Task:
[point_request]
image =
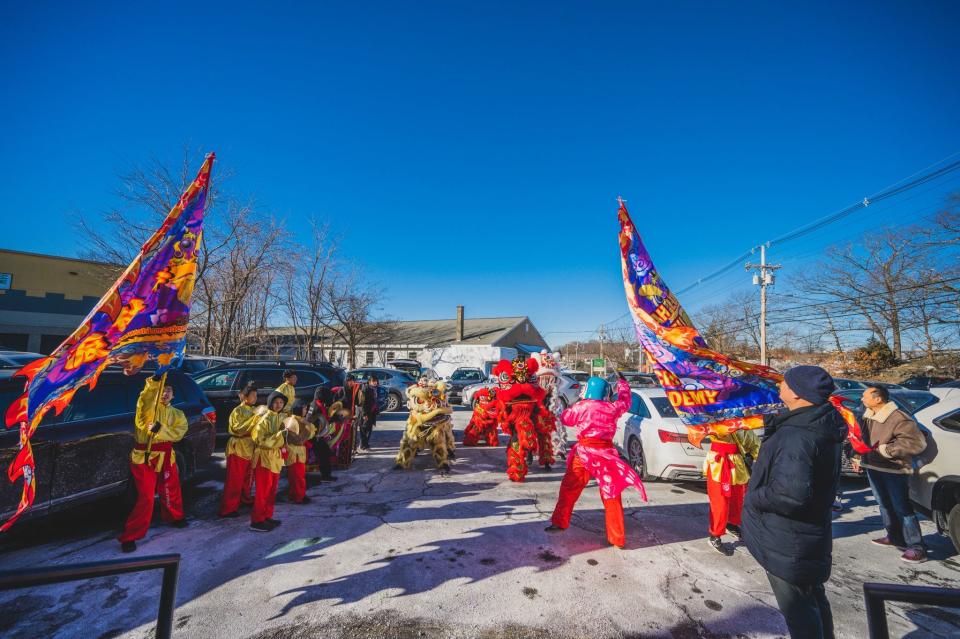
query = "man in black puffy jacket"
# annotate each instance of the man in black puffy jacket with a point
(787, 510)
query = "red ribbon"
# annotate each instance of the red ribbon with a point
(722, 452)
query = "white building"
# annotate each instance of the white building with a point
(443, 345)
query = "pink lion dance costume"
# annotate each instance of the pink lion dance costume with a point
(595, 456)
(522, 415)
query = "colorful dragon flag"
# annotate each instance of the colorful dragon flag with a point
(710, 391)
(142, 317)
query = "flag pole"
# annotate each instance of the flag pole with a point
(156, 409)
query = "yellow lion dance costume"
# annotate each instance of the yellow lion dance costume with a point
(429, 425)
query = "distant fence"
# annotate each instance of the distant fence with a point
(876, 594)
(169, 563)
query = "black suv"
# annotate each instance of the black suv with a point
(84, 452)
(222, 384)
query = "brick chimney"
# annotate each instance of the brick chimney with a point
(459, 323)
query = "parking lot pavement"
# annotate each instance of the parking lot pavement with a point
(383, 553)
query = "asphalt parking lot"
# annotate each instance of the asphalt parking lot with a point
(383, 553)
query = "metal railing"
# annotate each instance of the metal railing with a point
(876, 594)
(169, 563)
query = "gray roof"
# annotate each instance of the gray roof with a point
(476, 331)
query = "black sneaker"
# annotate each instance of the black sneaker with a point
(305, 500)
(451, 454)
(719, 546)
(128, 546)
(273, 523)
(547, 468)
(231, 515)
(328, 478)
(553, 528)
(735, 530)
(180, 523)
(261, 526)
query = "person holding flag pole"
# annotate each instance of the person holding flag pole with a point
(153, 466)
(142, 317)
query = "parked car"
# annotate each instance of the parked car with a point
(654, 441)
(847, 384)
(84, 452)
(924, 382)
(468, 394)
(394, 383)
(569, 388)
(636, 378)
(935, 487)
(193, 364)
(460, 379)
(909, 401)
(12, 361)
(222, 384)
(906, 400)
(409, 366)
(887, 385)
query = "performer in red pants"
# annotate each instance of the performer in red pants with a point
(297, 452)
(269, 436)
(595, 456)
(240, 447)
(727, 478)
(153, 467)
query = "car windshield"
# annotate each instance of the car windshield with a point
(466, 376)
(918, 401)
(663, 406)
(639, 379)
(580, 377)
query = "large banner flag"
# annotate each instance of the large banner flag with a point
(710, 391)
(143, 316)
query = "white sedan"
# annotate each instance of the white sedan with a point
(654, 440)
(935, 487)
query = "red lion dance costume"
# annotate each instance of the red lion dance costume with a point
(483, 424)
(523, 416)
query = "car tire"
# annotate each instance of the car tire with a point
(393, 402)
(953, 526)
(637, 459)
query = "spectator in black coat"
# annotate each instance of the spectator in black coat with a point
(787, 510)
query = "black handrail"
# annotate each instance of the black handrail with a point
(875, 594)
(169, 563)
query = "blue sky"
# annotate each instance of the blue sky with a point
(475, 150)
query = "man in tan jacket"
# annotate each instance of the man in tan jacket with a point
(894, 439)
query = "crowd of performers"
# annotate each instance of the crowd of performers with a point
(287, 432)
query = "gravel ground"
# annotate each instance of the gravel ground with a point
(392, 554)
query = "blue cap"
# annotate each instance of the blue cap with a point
(597, 388)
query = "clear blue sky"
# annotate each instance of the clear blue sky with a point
(488, 140)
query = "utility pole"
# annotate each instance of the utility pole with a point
(763, 279)
(602, 334)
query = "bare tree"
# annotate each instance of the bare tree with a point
(306, 276)
(350, 308)
(240, 249)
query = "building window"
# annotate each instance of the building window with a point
(369, 356)
(332, 358)
(412, 354)
(389, 355)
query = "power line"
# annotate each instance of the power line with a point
(833, 217)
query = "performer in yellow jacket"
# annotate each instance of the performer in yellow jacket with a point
(727, 477)
(153, 468)
(289, 389)
(296, 461)
(240, 448)
(269, 436)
